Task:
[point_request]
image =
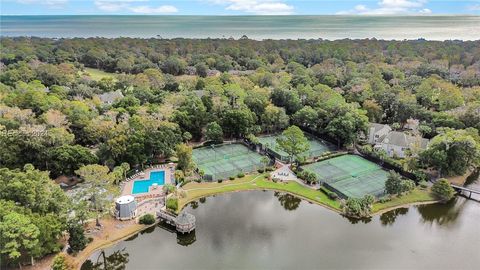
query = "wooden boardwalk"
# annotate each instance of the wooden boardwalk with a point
(465, 189)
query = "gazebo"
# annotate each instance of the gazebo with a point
(185, 222)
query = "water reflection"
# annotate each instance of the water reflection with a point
(289, 202)
(353, 220)
(194, 204)
(116, 261)
(442, 213)
(246, 230)
(186, 239)
(389, 217)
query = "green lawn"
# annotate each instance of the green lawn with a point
(97, 74)
(260, 182)
(418, 195)
(255, 182)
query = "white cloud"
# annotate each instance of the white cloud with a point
(390, 7)
(425, 11)
(154, 10)
(257, 7)
(122, 5)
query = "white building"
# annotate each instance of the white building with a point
(125, 207)
(396, 143)
(377, 132)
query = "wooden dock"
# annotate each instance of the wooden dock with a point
(183, 223)
(465, 189)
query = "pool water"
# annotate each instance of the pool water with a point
(142, 186)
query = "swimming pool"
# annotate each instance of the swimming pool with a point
(142, 186)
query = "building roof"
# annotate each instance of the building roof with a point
(185, 218)
(111, 97)
(405, 140)
(125, 199)
(378, 127)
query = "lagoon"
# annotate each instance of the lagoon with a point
(271, 230)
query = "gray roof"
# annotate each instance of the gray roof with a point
(111, 97)
(378, 127)
(185, 218)
(405, 140)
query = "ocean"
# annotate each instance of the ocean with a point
(254, 27)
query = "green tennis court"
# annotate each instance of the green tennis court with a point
(225, 160)
(350, 176)
(317, 147)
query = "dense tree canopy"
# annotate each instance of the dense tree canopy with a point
(453, 151)
(33, 213)
(97, 107)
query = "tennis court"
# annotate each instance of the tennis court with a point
(350, 176)
(225, 160)
(317, 147)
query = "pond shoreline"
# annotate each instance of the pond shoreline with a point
(216, 190)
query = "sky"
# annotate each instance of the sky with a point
(239, 7)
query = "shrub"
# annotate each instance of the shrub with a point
(260, 170)
(60, 262)
(240, 175)
(420, 176)
(270, 169)
(333, 196)
(395, 184)
(407, 185)
(172, 203)
(308, 176)
(232, 178)
(385, 199)
(359, 208)
(443, 190)
(147, 219)
(168, 188)
(423, 184)
(219, 181)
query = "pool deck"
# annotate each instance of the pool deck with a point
(153, 191)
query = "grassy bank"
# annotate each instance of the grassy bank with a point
(417, 196)
(255, 182)
(260, 182)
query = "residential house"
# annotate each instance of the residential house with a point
(377, 132)
(396, 143)
(110, 97)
